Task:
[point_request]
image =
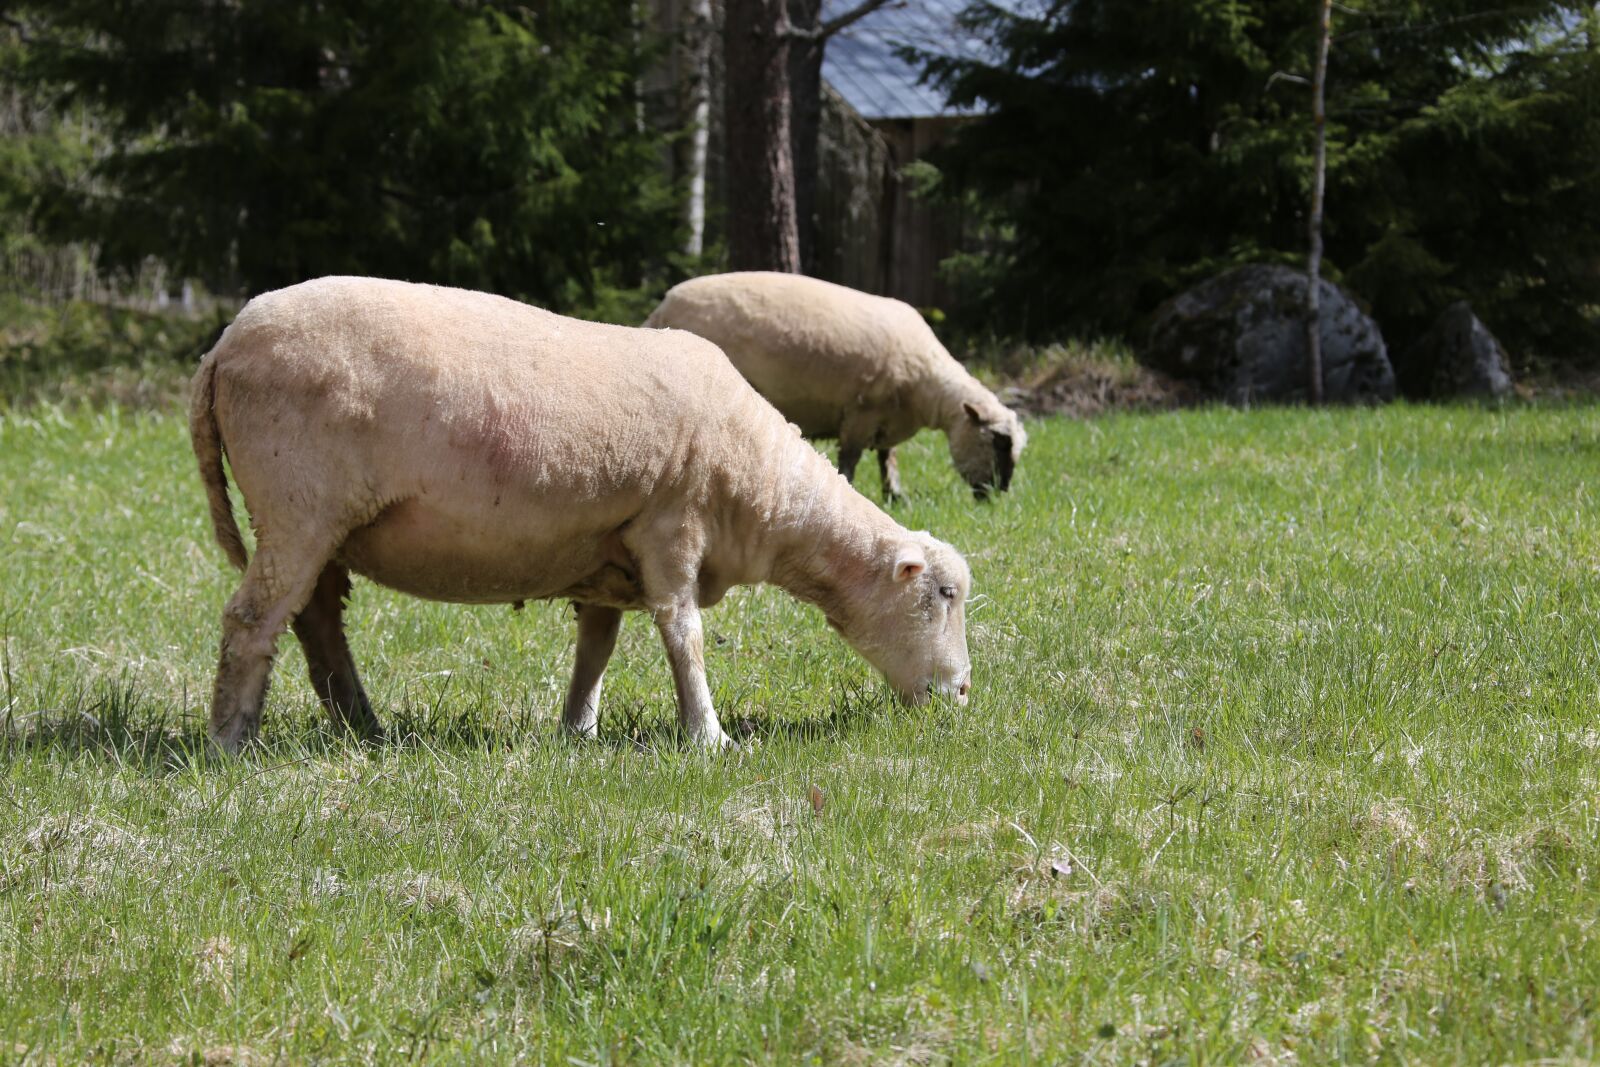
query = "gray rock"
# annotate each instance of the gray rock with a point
(1241, 337)
(1457, 357)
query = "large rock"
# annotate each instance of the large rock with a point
(1457, 357)
(1241, 337)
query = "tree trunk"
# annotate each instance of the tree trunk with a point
(805, 91)
(763, 228)
(1319, 180)
(696, 67)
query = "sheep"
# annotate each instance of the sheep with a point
(463, 447)
(843, 364)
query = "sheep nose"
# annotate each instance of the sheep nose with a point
(961, 693)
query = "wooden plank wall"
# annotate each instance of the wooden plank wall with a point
(872, 233)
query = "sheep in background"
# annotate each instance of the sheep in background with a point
(839, 363)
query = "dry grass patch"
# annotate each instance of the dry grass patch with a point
(425, 892)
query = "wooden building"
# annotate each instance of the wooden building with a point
(873, 233)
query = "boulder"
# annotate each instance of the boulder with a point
(1457, 357)
(1241, 337)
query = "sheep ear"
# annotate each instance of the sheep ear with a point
(908, 563)
(972, 411)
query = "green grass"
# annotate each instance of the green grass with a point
(1284, 745)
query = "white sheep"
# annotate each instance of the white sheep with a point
(463, 447)
(844, 364)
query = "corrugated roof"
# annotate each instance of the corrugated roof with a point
(862, 65)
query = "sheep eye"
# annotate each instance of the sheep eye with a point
(947, 591)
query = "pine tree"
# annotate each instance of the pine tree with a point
(763, 226)
(1134, 147)
(773, 53)
(39, 147)
(261, 142)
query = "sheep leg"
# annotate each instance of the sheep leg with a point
(889, 472)
(597, 636)
(320, 629)
(849, 456)
(858, 431)
(276, 586)
(685, 642)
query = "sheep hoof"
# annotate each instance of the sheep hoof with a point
(370, 736)
(714, 742)
(227, 747)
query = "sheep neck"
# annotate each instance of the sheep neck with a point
(940, 395)
(831, 541)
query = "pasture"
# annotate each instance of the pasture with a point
(1284, 747)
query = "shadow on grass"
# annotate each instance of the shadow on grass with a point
(146, 737)
(643, 725)
(856, 708)
(120, 725)
(115, 723)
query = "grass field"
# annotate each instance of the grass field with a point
(1285, 746)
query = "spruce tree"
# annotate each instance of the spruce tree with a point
(257, 143)
(1134, 147)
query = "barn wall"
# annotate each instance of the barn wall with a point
(872, 233)
(855, 172)
(922, 234)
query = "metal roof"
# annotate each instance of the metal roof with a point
(862, 65)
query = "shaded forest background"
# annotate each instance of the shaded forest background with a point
(1119, 151)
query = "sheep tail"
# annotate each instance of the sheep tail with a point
(207, 441)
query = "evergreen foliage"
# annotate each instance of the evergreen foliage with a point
(257, 143)
(1134, 147)
(39, 148)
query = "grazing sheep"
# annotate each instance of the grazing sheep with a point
(841, 363)
(464, 447)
